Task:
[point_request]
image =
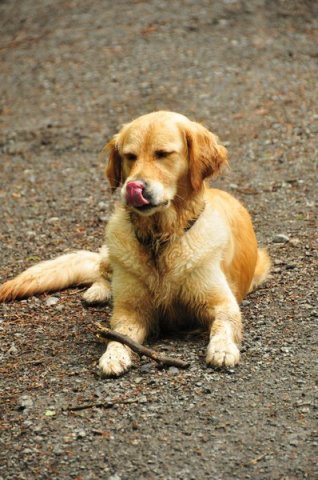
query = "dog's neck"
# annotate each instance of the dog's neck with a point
(156, 230)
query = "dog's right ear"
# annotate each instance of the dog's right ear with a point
(113, 167)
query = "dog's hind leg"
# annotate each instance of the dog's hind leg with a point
(262, 269)
(99, 292)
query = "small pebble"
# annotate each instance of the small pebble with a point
(51, 301)
(25, 402)
(173, 370)
(27, 450)
(58, 451)
(146, 368)
(291, 266)
(284, 349)
(294, 442)
(295, 242)
(102, 206)
(49, 413)
(12, 350)
(53, 220)
(280, 238)
(37, 428)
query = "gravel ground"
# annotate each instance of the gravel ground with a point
(72, 73)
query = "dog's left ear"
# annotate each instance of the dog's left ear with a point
(206, 156)
(113, 167)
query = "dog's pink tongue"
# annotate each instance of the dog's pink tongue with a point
(134, 194)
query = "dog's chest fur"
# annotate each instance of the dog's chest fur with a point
(173, 271)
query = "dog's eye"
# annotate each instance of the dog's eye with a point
(131, 157)
(161, 154)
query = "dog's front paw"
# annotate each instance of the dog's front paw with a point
(115, 361)
(222, 352)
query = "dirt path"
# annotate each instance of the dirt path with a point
(72, 72)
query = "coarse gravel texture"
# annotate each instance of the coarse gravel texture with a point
(72, 73)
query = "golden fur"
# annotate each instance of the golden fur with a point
(176, 250)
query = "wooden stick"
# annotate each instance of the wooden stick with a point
(85, 406)
(140, 349)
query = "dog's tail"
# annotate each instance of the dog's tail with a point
(262, 269)
(77, 268)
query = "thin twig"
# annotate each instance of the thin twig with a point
(78, 290)
(254, 461)
(86, 406)
(140, 349)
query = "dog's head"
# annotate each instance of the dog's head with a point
(162, 157)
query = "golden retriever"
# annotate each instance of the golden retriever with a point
(175, 249)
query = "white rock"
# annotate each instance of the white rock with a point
(53, 220)
(51, 301)
(280, 238)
